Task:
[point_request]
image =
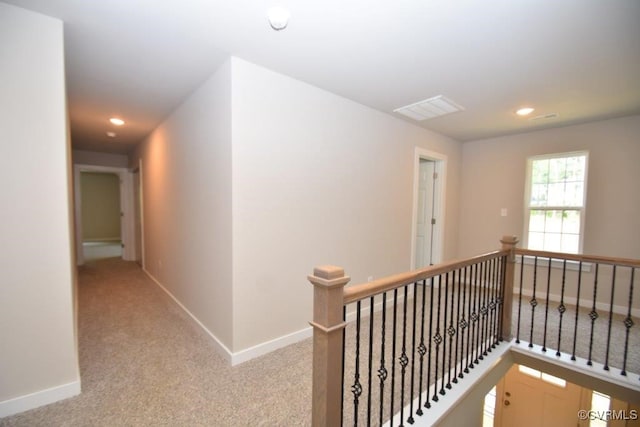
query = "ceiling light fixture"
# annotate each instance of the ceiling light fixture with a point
(111, 134)
(525, 111)
(278, 17)
(116, 121)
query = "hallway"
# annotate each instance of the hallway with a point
(144, 362)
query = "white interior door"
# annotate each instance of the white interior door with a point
(532, 398)
(425, 217)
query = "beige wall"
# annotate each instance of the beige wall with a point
(310, 178)
(82, 157)
(186, 171)
(38, 360)
(317, 179)
(494, 177)
(100, 195)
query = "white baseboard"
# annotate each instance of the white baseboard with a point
(269, 346)
(222, 349)
(39, 398)
(242, 355)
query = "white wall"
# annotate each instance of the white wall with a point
(317, 179)
(38, 360)
(494, 177)
(82, 157)
(256, 179)
(186, 165)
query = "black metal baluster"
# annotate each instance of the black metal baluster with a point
(493, 304)
(464, 326)
(500, 298)
(575, 326)
(404, 360)
(519, 298)
(491, 342)
(613, 289)
(483, 309)
(628, 323)
(546, 307)
(487, 338)
(444, 331)
(393, 354)
(474, 318)
(382, 370)
(469, 327)
(344, 339)
(370, 365)
(422, 350)
(427, 404)
(451, 330)
(561, 307)
(437, 338)
(490, 305)
(458, 359)
(410, 420)
(593, 314)
(356, 388)
(533, 301)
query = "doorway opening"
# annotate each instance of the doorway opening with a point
(138, 213)
(428, 208)
(101, 215)
(103, 219)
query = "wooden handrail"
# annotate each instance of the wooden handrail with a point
(578, 257)
(331, 295)
(365, 290)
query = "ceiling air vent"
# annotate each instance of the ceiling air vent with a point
(429, 108)
(544, 116)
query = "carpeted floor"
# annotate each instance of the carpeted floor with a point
(145, 363)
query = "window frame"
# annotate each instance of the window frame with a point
(527, 196)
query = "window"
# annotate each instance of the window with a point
(489, 413)
(600, 405)
(555, 199)
(541, 375)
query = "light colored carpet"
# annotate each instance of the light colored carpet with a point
(145, 363)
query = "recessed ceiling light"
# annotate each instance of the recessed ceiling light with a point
(278, 17)
(525, 111)
(111, 134)
(116, 121)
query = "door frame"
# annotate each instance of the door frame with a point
(438, 200)
(126, 208)
(138, 213)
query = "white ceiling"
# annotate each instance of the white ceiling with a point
(139, 59)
